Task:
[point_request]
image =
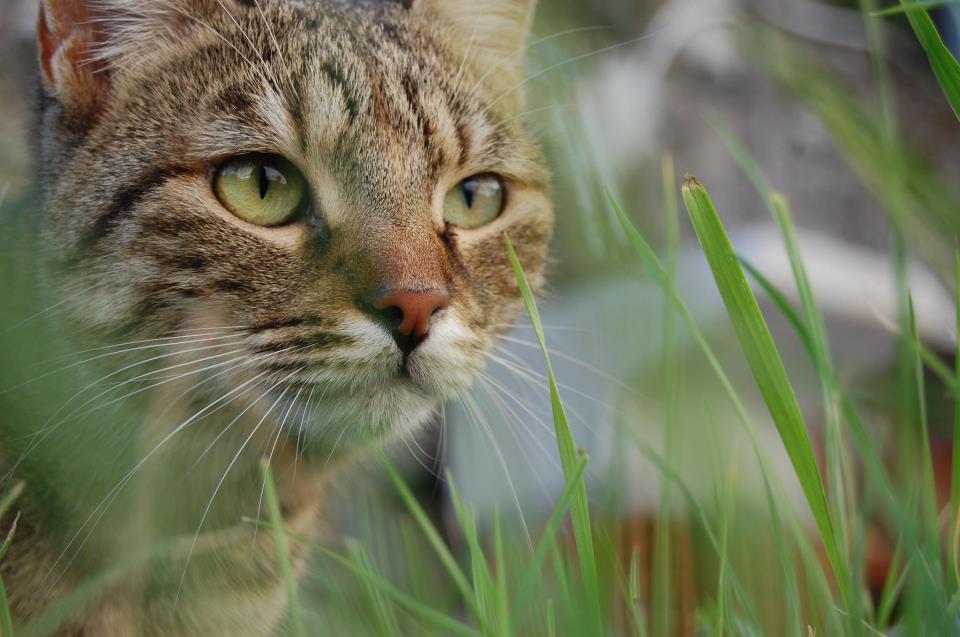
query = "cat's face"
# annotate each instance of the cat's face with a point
(327, 183)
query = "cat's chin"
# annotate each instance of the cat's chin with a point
(395, 407)
(340, 423)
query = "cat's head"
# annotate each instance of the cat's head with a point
(326, 182)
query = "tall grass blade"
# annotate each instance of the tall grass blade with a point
(579, 508)
(283, 551)
(944, 65)
(662, 604)
(436, 542)
(955, 481)
(783, 305)
(928, 497)
(764, 360)
(451, 625)
(548, 540)
(663, 280)
(6, 618)
(384, 616)
(484, 586)
(917, 5)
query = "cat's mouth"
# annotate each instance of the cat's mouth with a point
(362, 357)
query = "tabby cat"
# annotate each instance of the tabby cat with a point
(291, 213)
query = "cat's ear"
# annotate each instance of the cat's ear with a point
(80, 42)
(69, 33)
(496, 30)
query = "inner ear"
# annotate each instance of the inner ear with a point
(69, 33)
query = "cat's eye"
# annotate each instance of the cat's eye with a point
(264, 190)
(475, 202)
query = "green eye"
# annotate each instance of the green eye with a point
(263, 190)
(475, 202)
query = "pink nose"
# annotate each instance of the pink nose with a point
(408, 314)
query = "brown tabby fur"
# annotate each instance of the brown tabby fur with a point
(384, 106)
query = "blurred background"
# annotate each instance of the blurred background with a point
(822, 94)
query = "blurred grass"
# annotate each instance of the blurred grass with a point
(944, 66)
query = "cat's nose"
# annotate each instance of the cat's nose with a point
(407, 314)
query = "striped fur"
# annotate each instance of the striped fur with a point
(384, 106)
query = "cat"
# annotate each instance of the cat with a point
(290, 215)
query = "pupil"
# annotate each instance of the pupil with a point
(264, 182)
(470, 192)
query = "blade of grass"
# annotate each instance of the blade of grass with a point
(661, 602)
(633, 591)
(839, 469)
(6, 618)
(384, 618)
(764, 359)
(771, 483)
(403, 599)
(485, 588)
(701, 516)
(911, 190)
(11, 497)
(436, 542)
(955, 482)
(501, 587)
(919, 5)
(838, 465)
(579, 508)
(783, 305)
(548, 539)
(928, 498)
(944, 65)
(283, 551)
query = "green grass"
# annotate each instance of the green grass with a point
(944, 65)
(6, 621)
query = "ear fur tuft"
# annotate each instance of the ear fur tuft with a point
(496, 29)
(79, 41)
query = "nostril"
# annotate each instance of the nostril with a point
(392, 316)
(408, 314)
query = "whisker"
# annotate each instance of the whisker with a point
(49, 309)
(276, 45)
(528, 326)
(223, 478)
(140, 348)
(219, 35)
(264, 68)
(479, 419)
(576, 361)
(47, 429)
(505, 411)
(111, 496)
(420, 462)
(539, 379)
(512, 60)
(553, 67)
(273, 449)
(307, 408)
(523, 406)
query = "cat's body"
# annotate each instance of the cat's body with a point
(398, 129)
